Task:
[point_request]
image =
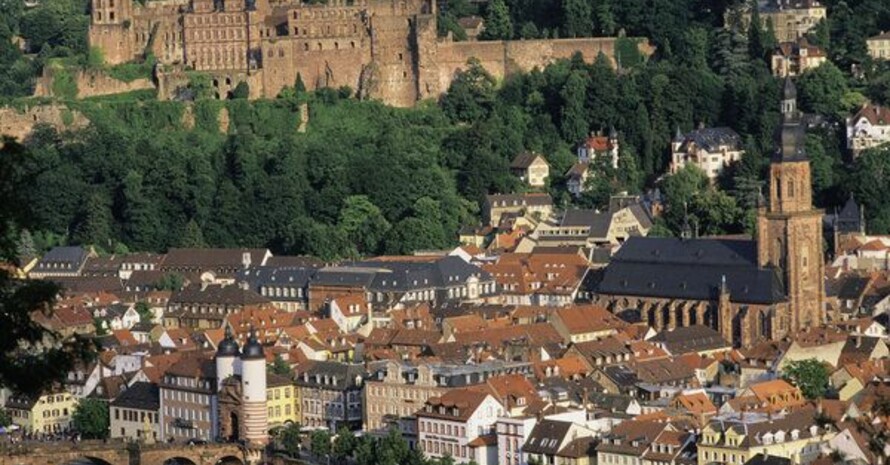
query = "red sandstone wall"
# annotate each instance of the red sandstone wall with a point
(335, 64)
(19, 124)
(501, 58)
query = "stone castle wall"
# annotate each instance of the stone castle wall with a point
(501, 58)
(19, 123)
(90, 83)
(383, 49)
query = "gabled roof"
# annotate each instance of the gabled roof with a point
(141, 395)
(694, 338)
(71, 257)
(465, 400)
(876, 115)
(583, 319)
(711, 139)
(546, 437)
(525, 160)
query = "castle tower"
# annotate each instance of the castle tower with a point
(253, 388)
(789, 229)
(226, 358)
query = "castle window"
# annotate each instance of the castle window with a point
(111, 16)
(306, 46)
(110, 3)
(790, 190)
(352, 44)
(319, 45)
(98, 16)
(280, 53)
(336, 45)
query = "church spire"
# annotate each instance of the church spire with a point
(792, 134)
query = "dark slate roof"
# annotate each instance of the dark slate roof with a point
(217, 294)
(711, 139)
(524, 160)
(852, 287)
(597, 222)
(691, 269)
(621, 375)
(401, 276)
(73, 257)
(546, 437)
(141, 395)
(262, 276)
(695, 338)
(339, 376)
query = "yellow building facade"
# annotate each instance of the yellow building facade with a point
(49, 413)
(793, 436)
(879, 46)
(282, 401)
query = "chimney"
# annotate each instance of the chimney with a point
(858, 341)
(245, 260)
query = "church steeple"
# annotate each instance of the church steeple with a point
(789, 229)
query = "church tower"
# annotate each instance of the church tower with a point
(789, 229)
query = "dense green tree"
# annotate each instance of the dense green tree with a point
(145, 313)
(870, 183)
(365, 450)
(5, 418)
(498, 24)
(242, 90)
(471, 95)
(822, 90)
(756, 41)
(605, 19)
(289, 439)
(811, 376)
(344, 444)
(577, 18)
(139, 214)
(280, 367)
(97, 222)
(574, 95)
(364, 224)
(192, 237)
(90, 418)
(32, 358)
(320, 443)
(680, 190)
(171, 281)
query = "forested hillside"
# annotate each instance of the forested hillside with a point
(368, 179)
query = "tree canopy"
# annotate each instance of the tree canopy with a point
(810, 376)
(91, 419)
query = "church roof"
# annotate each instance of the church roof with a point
(691, 269)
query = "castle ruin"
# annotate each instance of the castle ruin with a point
(384, 49)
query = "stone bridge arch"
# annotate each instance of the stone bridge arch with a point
(209, 454)
(66, 454)
(122, 454)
